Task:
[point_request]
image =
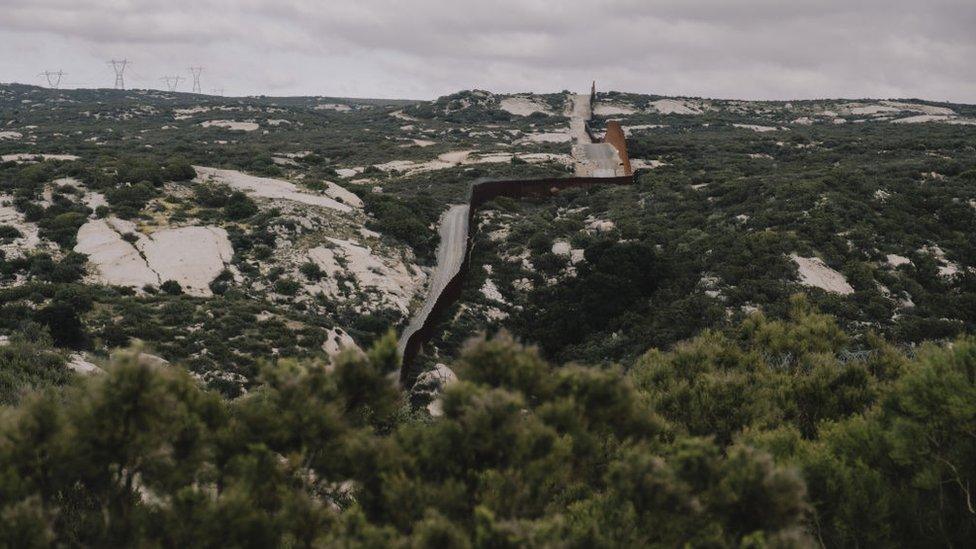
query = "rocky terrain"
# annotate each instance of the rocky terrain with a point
(313, 221)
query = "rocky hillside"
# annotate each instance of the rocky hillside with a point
(224, 232)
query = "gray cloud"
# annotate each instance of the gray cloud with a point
(424, 48)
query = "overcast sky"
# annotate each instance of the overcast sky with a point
(760, 49)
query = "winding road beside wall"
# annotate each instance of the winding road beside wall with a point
(450, 257)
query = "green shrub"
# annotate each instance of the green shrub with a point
(287, 286)
(171, 287)
(312, 271)
(127, 201)
(7, 231)
(239, 206)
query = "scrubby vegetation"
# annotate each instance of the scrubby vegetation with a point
(773, 436)
(681, 394)
(719, 220)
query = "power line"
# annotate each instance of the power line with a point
(119, 66)
(53, 78)
(172, 82)
(196, 71)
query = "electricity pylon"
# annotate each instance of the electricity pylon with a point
(195, 71)
(53, 78)
(119, 66)
(172, 82)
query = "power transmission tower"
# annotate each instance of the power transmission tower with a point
(218, 91)
(172, 82)
(119, 66)
(195, 71)
(53, 78)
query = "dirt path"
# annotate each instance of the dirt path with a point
(450, 256)
(590, 159)
(578, 116)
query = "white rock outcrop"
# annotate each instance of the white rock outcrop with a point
(674, 106)
(266, 187)
(815, 273)
(28, 241)
(336, 341)
(232, 125)
(522, 106)
(343, 195)
(116, 261)
(431, 384)
(390, 281)
(192, 256)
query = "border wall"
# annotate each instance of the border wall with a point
(480, 193)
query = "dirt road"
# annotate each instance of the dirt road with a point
(450, 255)
(578, 116)
(591, 159)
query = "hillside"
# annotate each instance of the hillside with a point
(763, 340)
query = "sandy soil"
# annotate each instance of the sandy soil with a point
(547, 137)
(888, 108)
(629, 130)
(265, 187)
(349, 172)
(895, 260)
(231, 125)
(339, 107)
(816, 274)
(636, 163)
(454, 158)
(82, 365)
(561, 247)
(613, 109)
(10, 135)
(917, 107)
(597, 160)
(869, 110)
(674, 106)
(491, 291)
(28, 157)
(523, 106)
(402, 116)
(183, 114)
(756, 128)
(599, 225)
(28, 242)
(917, 119)
(947, 268)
